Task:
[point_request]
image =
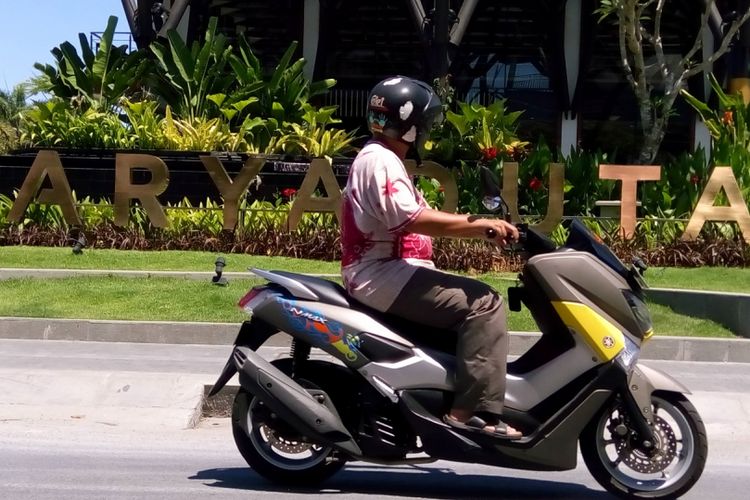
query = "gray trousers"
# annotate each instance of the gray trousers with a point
(475, 311)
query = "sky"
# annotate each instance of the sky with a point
(30, 29)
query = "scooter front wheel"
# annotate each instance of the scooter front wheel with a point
(273, 448)
(614, 455)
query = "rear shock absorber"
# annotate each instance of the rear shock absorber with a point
(300, 353)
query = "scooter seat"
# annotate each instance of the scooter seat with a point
(332, 293)
(421, 335)
(327, 291)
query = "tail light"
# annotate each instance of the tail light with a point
(247, 303)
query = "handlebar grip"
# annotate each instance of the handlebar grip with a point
(522, 228)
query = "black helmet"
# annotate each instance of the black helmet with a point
(403, 108)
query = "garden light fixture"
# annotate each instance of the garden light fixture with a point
(219, 279)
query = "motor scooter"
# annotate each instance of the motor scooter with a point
(381, 394)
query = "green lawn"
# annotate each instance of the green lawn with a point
(175, 299)
(718, 279)
(63, 258)
(704, 278)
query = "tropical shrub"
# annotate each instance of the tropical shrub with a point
(12, 104)
(676, 194)
(280, 96)
(206, 97)
(8, 137)
(198, 133)
(312, 137)
(583, 187)
(475, 132)
(94, 79)
(185, 77)
(56, 123)
(729, 126)
(212, 79)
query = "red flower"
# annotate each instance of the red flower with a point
(288, 192)
(728, 118)
(694, 179)
(489, 153)
(535, 184)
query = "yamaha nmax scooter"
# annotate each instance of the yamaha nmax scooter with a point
(381, 396)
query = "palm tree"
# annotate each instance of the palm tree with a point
(12, 103)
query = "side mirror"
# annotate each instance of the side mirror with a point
(492, 198)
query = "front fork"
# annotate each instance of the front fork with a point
(639, 409)
(642, 382)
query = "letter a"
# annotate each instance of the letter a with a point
(721, 177)
(320, 170)
(46, 164)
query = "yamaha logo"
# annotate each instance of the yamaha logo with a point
(608, 342)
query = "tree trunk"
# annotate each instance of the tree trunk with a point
(651, 142)
(655, 128)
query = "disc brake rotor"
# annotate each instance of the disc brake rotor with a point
(279, 442)
(278, 434)
(654, 460)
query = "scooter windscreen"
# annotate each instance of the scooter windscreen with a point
(581, 239)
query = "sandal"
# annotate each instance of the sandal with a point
(477, 424)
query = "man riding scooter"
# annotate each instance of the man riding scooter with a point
(387, 251)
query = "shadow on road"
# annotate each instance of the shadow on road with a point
(407, 481)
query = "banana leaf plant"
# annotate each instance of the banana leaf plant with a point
(279, 97)
(186, 77)
(282, 94)
(94, 78)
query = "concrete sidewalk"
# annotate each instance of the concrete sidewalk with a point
(158, 332)
(113, 384)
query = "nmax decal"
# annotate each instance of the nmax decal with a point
(322, 328)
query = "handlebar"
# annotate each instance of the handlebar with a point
(529, 239)
(522, 231)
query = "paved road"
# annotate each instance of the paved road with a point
(79, 461)
(98, 421)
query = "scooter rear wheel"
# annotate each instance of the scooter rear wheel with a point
(273, 449)
(614, 457)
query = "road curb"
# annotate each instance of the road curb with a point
(162, 332)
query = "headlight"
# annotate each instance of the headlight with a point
(628, 357)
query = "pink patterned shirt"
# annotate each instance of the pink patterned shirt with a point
(379, 256)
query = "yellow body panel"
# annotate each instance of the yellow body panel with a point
(604, 338)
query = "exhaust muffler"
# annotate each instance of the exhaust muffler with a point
(310, 411)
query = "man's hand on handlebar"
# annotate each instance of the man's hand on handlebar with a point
(501, 232)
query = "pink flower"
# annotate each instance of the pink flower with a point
(288, 192)
(694, 179)
(535, 184)
(728, 118)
